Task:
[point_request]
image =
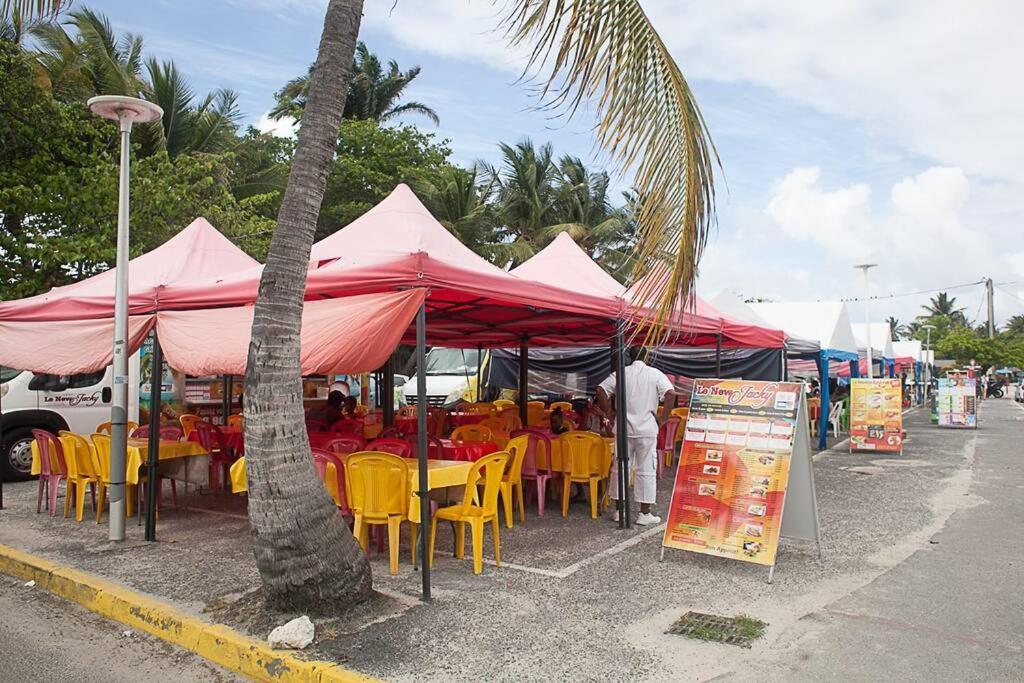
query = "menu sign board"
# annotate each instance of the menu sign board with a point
(730, 487)
(876, 415)
(957, 403)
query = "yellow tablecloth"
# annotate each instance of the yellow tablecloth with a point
(138, 450)
(440, 474)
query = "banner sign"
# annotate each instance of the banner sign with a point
(876, 415)
(957, 403)
(730, 486)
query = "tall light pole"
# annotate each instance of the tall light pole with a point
(865, 267)
(927, 357)
(126, 111)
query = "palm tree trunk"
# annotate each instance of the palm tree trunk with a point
(307, 557)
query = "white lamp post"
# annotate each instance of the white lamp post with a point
(126, 111)
(867, 312)
(927, 356)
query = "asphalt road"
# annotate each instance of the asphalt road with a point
(43, 638)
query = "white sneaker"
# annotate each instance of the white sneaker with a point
(615, 516)
(647, 519)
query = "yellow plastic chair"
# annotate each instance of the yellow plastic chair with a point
(104, 427)
(188, 423)
(487, 471)
(498, 430)
(101, 442)
(83, 471)
(685, 414)
(377, 487)
(536, 416)
(472, 434)
(503, 404)
(536, 404)
(236, 421)
(564, 405)
(512, 481)
(510, 420)
(582, 463)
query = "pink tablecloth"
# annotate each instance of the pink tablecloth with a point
(234, 439)
(460, 419)
(471, 451)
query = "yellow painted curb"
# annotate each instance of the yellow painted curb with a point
(215, 642)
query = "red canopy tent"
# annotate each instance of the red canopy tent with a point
(197, 253)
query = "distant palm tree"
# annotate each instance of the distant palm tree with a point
(373, 93)
(942, 304)
(527, 198)
(897, 329)
(459, 199)
(1015, 325)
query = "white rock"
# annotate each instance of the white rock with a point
(296, 634)
(31, 583)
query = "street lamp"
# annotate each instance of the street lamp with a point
(126, 111)
(927, 356)
(867, 312)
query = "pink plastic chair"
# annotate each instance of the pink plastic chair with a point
(393, 446)
(538, 438)
(171, 433)
(212, 440)
(321, 458)
(51, 455)
(667, 442)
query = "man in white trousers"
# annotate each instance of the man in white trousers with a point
(645, 388)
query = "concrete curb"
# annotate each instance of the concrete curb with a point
(215, 642)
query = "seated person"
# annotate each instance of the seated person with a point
(558, 425)
(349, 411)
(330, 412)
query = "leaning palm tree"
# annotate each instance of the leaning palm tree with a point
(648, 120)
(609, 53)
(373, 93)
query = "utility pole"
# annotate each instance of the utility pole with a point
(989, 292)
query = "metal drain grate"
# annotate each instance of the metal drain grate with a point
(739, 630)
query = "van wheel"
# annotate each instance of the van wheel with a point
(16, 458)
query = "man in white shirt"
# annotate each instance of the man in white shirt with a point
(645, 388)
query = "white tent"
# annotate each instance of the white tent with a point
(823, 321)
(728, 303)
(908, 349)
(881, 339)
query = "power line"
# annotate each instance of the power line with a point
(917, 293)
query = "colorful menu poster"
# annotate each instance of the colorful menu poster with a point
(876, 415)
(730, 486)
(957, 403)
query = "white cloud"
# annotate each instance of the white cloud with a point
(805, 211)
(285, 128)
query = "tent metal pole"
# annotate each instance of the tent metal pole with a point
(718, 356)
(621, 447)
(388, 392)
(153, 452)
(421, 446)
(785, 366)
(225, 402)
(2, 441)
(524, 378)
(823, 378)
(479, 372)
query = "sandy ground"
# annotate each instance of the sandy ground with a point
(577, 597)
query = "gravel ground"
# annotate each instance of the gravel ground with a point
(560, 612)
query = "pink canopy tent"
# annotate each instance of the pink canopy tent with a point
(197, 253)
(204, 342)
(734, 333)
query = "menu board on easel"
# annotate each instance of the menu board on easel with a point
(876, 415)
(957, 403)
(745, 462)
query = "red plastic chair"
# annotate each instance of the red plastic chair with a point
(315, 425)
(221, 457)
(52, 469)
(348, 426)
(538, 438)
(171, 433)
(390, 433)
(666, 447)
(321, 457)
(349, 443)
(397, 447)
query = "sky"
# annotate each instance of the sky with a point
(849, 131)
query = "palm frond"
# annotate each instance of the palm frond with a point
(32, 9)
(608, 52)
(411, 107)
(169, 89)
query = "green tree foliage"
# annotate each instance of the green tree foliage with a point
(371, 159)
(373, 92)
(58, 189)
(963, 345)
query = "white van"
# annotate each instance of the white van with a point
(451, 376)
(77, 403)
